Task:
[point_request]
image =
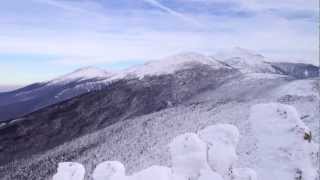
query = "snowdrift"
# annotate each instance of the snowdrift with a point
(284, 151)
(208, 155)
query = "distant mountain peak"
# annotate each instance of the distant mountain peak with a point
(240, 53)
(82, 74)
(170, 64)
(247, 61)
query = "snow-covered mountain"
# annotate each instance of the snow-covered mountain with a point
(137, 112)
(84, 80)
(39, 95)
(245, 60)
(170, 65)
(248, 61)
(81, 74)
(33, 97)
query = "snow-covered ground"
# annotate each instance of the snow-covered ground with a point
(284, 150)
(141, 142)
(208, 155)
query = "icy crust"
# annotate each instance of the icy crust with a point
(284, 144)
(208, 155)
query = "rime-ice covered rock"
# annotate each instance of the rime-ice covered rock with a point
(221, 140)
(154, 173)
(69, 171)
(109, 170)
(188, 155)
(284, 143)
(243, 174)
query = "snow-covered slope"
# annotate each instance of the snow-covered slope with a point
(85, 73)
(248, 61)
(210, 155)
(134, 118)
(170, 65)
(33, 97)
(140, 141)
(285, 148)
(245, 60)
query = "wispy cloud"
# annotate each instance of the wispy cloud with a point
(117, 31)
(173, 12)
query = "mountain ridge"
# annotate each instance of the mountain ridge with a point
(35, 96)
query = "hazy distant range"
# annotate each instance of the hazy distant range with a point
(4, 88)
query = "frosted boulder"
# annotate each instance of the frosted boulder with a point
(69, 171)
(153, 173)
(188, 156)
(109, 170)
(284, 143)
(221, 140)
(244, 174)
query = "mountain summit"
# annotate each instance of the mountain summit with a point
(82, 74)
(171, 64)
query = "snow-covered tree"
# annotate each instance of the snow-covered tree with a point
(69, 171)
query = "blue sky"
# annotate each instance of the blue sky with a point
(41, 39)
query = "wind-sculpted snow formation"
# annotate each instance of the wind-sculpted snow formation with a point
(284, 144)
(208, 155)
(284, 150)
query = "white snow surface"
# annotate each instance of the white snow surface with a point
(306, 87)
(222, 140)
(244, 174)
(245, 60)
(109, 170)
(282, 149)
(69, 171)
(190, 156)
(169, 65)
(141, 142)
(250, 56)
(81, 74)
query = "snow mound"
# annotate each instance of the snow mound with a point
(69, 171)
(153, 172)
(244, 174)
(284, 146)
(81, 74)
(188, 155)
(170, 65)
(207, 156)
(222, 140)
(110, 170)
